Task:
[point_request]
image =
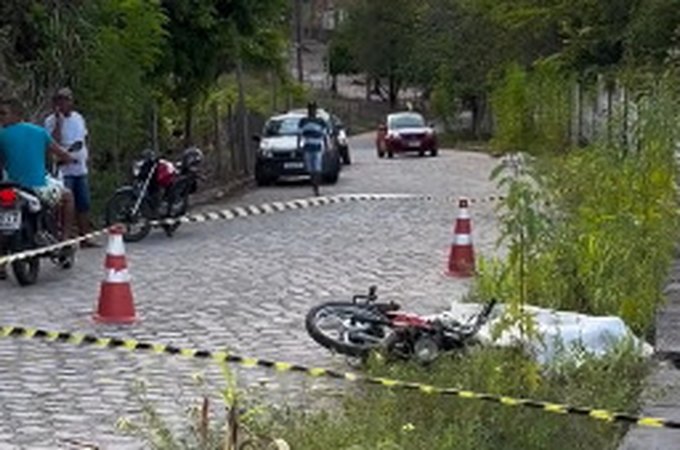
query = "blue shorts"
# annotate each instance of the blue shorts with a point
(313, 161)
(81, 192)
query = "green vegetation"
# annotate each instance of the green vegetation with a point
(592, 230)
(461, 48)
(142, 70)
(379, 418)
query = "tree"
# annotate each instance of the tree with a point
(456, 48)
(205, 39)
(116, 85)
(379, 36)
(340, 60)
(653, 32)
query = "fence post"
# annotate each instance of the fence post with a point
(232, 141)
(217, 142)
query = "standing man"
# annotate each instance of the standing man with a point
(68, 127)
(313, 130)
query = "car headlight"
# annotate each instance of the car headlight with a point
(266, 149)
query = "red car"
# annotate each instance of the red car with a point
(406, 132)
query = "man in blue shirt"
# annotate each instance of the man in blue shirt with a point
(23, 156)
(313, 131)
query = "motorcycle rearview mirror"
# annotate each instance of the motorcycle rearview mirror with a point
(256, 138)
(372, 292)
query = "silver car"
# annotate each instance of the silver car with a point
(279, 153)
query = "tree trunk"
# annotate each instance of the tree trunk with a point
(393, 91)
(474, 106)
(154, 128)
(234, 160)
(188, 122)
(217, 141)
(486, 118)
(242, 120)
(275, 94)
(298, 39)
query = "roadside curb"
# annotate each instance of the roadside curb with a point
(660, 395)
(222, 192)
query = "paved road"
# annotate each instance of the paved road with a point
(243, 285)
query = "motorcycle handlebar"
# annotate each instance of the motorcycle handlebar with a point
(371, 297)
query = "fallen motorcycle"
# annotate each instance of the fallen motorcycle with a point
(160, 190)
(363, 325)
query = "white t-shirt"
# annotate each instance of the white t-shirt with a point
(73, 129)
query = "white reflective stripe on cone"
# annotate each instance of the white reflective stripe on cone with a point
(464, 214)
(117, 276)
(116, 246)
(462, 239)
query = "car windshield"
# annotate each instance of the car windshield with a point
(406, 121)
(287, 126)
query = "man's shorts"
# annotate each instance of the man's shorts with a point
(81, 192)
(52, 192)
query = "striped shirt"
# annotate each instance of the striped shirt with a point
(313, 131)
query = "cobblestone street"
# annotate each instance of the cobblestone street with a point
(244, 285)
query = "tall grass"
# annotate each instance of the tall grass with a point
(605, 240)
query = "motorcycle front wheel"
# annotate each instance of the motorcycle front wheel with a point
(346, 328)
(181, 207)
(119, 209)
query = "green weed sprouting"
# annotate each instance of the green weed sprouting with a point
(246, 424)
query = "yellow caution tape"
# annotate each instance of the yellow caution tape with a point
(248, 362)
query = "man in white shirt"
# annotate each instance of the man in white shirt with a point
(68, 127)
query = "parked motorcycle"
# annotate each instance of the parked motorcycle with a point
(28, 223)
(356, 328)
(160, 190)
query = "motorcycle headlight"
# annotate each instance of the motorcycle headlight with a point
(137, 168)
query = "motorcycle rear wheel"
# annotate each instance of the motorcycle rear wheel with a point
(25, 270)
(119, 210)
(343, 339)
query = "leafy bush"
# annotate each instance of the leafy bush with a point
(532, 109)
(511, 105)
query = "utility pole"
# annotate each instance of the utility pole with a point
(298, 39)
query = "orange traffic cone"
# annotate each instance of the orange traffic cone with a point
(115, 296)
(462, 256)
